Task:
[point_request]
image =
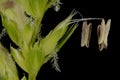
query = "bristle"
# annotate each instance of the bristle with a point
(2, 34)
(55, 64)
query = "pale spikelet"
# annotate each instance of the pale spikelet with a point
(86, 34)
(103, 31)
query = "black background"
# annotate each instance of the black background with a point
(77, 63)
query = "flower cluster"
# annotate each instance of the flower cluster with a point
(22, 22)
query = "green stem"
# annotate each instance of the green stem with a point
(31, 77)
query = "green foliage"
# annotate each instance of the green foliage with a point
(8, 70)
(24, 32)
